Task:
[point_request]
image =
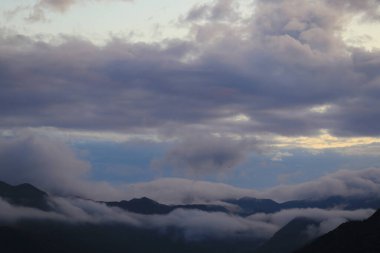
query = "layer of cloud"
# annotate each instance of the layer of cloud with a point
(289, 61)
(357, 183)
(195, 225)
(327, 219)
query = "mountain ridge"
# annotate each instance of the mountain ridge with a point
(24, 195)
(350, 237)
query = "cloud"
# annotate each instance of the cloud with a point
(288, 61)
(206, 154)
(220, 10)
(195, 225)
(198, 225)
(53, 166)
(10, 214)
(37, 12)
(327, 219)
(177, 190)
(279, 156)
(49, 164)
(64, 5)
(357, 183)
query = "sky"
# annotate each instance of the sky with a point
(120, 98)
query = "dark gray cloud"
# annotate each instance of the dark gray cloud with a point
(206, 154)
(273, 68)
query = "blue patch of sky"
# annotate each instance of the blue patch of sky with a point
(134, 162)
(261, 172)
(120, 162)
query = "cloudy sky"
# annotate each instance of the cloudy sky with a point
(241, 95)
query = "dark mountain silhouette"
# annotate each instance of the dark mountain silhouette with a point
(249, 206)
(142, 206)
(28, 195)
(148, 206)
(24, 195)
(292, 236)
(346, 203)
(350, 237)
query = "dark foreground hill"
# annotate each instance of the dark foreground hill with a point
(58, 237)
(350, 237)
(24, 195)
(292, 236)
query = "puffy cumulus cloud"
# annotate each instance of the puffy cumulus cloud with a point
(51, 165)
(206, 154)
(348, 183)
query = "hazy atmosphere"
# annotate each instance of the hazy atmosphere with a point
(191, 102)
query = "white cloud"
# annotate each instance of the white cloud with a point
(50, 164)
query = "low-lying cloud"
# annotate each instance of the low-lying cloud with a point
(194, 224)
(327, 219)
(348, 183)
